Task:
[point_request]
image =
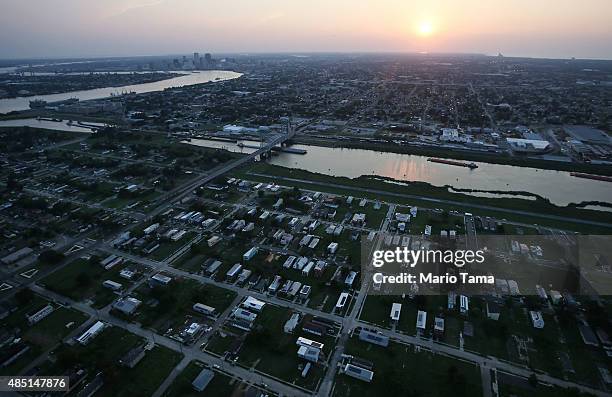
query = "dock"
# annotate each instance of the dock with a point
(215, 138)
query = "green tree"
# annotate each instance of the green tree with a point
(83, 279)
(24, 296)
(51, 257)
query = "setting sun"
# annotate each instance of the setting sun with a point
(425, 28)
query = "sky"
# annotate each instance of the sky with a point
(89, 28)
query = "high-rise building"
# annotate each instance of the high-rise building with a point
(197, 60)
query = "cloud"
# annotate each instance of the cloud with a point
(129, 6)
(270, 18)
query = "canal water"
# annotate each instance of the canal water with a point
(558, 186)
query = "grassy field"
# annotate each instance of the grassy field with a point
(269, 349)
(167, 248)
(81, 279)
(146, 376)
(542, 346)
(512, 387)
(174, 302)
(438, 221)
(221, 385)
(77, 280)
(374, 217)
(121, 202)
(104, 296)
(585, 360)
(190, 262)
(496, 338)
(102, 355)
(43, 335)
(377, 310)
(408, 371)
(219, 344)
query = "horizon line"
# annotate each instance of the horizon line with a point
(250, 53)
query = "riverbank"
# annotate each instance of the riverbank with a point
(66, 83)
(187, 79)
(48, 114)
(492, 158)
(46, 125)
(538, 211)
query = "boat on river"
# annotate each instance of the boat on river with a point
(453, 162)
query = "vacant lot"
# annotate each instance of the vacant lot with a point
(408, 371)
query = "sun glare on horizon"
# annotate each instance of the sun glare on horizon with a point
(425, 28)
